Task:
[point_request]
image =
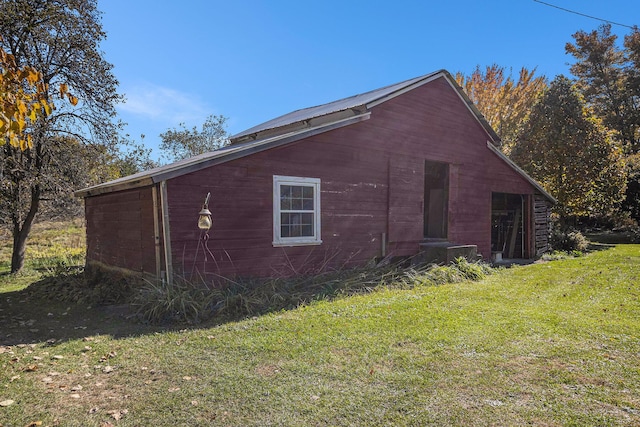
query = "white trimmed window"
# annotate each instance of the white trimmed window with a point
(296, 211)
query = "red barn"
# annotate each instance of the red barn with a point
(384, 173)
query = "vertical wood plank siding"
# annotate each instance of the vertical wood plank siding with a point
(542, 222)
(120, 229)
(372, 182)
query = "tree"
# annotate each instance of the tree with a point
(22, 93)
(608, 78)
(60, 39)
(504, 102)
(132, 157)
(566, 148)
(184, 143)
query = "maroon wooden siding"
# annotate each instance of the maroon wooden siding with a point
(372, 182)
(120, 229)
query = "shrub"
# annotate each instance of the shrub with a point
(178, 302)
(568, 240)
(471, 270)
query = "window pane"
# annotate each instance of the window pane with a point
(285, 191)
(306, 218)
(285, 204)
(307, 192)
(296, 197)
(296, 204)
(296, 224)
(296, 192)
(307, 204)
(285, 197)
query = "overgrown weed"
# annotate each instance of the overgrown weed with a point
(558, 255)
(187, 301)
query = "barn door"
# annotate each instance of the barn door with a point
(436, 197)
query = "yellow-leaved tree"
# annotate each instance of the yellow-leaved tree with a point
(22, 100)
(504, 101)
(43, 147)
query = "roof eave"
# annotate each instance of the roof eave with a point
(234, 152)
(525, 175)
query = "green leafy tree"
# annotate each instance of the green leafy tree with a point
(503, 101)
(607, 76)
(132, 157)
(61, 40)
(178, 144)
(565, 148)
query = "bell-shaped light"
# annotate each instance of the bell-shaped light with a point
(204, 218)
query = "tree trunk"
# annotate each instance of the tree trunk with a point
(21, 231)
(19, 247)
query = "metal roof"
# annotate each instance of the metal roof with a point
(292, 127)
(329, 108)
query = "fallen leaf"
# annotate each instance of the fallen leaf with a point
(47, 380)
(13, 378)
(187, 378)
(118, 413)
(106, 424)
(107, 369)
(30, 368)
(194, 403)
(76, 388)
(74, 396)
(174, 389)
(58, 357)
(93, 410)
(7, 402)
(34, 424)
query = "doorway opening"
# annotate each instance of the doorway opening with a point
(436, 199)
(508, 219)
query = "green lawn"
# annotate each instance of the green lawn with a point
(548, 344)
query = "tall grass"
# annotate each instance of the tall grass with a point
(193, 302)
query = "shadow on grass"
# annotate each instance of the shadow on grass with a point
(48, 311)
(25, 319)
(613, 237)
(44, 311)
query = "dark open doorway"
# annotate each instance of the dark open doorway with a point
(508, 219)
(436, 196)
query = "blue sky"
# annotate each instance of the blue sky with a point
(180, 61)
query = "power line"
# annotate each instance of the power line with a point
(585, 15)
